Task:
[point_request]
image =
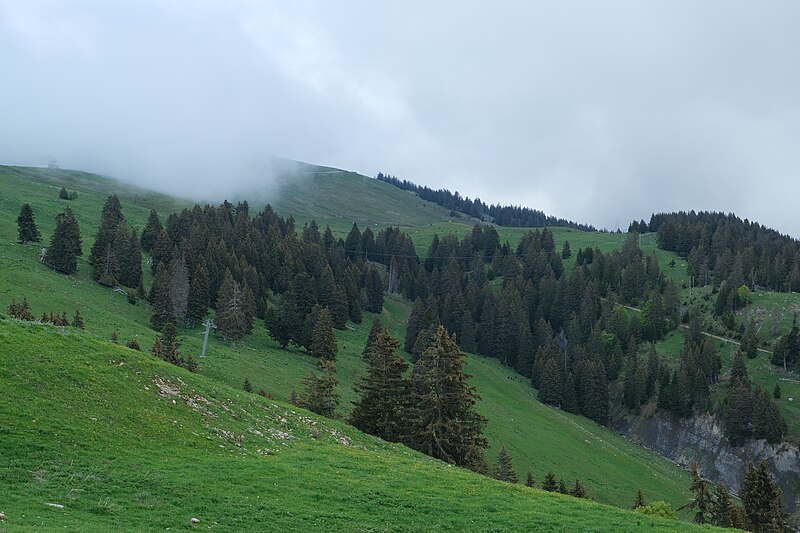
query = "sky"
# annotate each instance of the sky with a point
(600, 112)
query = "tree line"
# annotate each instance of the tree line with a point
(723, 248)
(502, 215)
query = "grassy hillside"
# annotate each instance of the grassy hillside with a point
(118, 440)
(338, 198)
(539, 438)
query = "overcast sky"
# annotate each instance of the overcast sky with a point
(594, 111)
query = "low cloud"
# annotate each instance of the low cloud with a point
(598, 113)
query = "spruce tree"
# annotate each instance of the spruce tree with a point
(723, 510)
(284, 321)
(738, 371)
(65, 245)
(28, 232)
(762, 499)
(529, 481)
(421, 317)
(566, 253)
(737, 414)
(569, 399)
(234, 318)
(179, 289)
(550, 387)
(161, 311)
(578, 490)
(130, 272)
(151, 231)
(639, 501)
(161, 252)
(505, 467)
(374, 287)
(77, 320)
(701, 499)
(776, 392)
(319, 392)
(750, 341)
(445, 424)
(374, 331)
(104, 256)
(768, 423)
(382, 407)
(197, 306)
(323, 341)
(247, 387)
(550, 484)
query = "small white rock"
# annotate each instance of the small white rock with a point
(2, 517)
(194, 521)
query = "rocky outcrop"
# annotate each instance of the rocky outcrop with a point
(701, 439)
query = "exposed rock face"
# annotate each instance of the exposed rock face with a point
(701, 439)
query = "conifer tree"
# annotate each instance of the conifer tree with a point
(63, 194)
(65, 245)
(529, 481)
(319, 392)
(284, 321)
(247, 387)
(569, 399)
(374, 331)
(737, 414)
(161, 252)
(77, 320)
(639, 501)
(179, 289)
(562, 487)
(750, 341)
(723, 510)
(105, 253)
(505, 467)
(197, 306)
(339, 308)
(422, 317)
(762, 499)
(382, 408)
(445, 424)
(566, 253)
(738, 371)
(130, 272)
(374, 288)
(578, 490)
(701, 499)
(550, 484)
(151, 231)
(234, 317)
(323, 341)
(161, 311)
(27, 230)
(768, 423)
(550, 384)
(776, 392)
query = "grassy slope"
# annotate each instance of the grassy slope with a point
(124, 441)
(310, 192)
(540, 438)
